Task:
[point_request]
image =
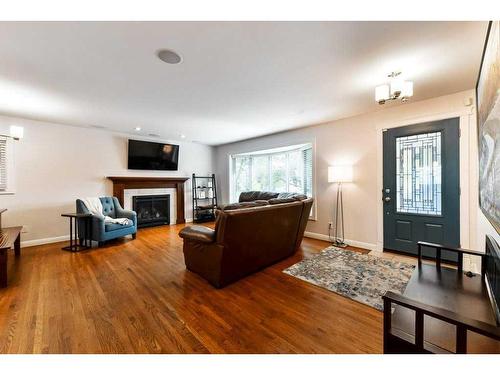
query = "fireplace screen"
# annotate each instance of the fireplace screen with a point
(152, 210)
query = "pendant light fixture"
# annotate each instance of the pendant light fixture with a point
(397, 88)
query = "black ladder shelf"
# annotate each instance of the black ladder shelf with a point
(204, 198)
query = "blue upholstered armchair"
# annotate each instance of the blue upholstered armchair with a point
(101, 231)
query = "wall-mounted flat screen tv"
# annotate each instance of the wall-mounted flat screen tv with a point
(152, 156)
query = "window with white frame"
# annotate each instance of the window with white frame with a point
(284, 169)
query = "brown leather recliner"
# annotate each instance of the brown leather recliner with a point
(245, 240)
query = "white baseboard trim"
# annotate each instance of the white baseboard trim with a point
(44, 241)
(188, 220)
(324, 237)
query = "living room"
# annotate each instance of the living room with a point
(249, 187)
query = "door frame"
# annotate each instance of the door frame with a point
(467, 166)
(420, 223)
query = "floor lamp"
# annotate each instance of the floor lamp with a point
(339, 174)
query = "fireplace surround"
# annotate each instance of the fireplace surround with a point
(122, 183)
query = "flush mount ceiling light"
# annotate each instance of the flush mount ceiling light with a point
(138, 128)
(183, 136)
(169, 56)
(397, 88)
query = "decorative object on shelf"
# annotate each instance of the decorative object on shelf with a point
(339, 174)
(488, 120)
(201, 192)
(15, 132)
(204, 198)
(397, 88)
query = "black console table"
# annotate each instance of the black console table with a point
(444, 310)
(86, 242)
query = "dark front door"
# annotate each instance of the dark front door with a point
(421, 186)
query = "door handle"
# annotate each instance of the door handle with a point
(387, 199)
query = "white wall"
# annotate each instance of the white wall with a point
(55, 164)
(484, 228)
(358, 141)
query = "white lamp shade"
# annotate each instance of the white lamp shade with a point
(382, 93)
(340, 173)
(16, 131)
(397, 85)
(407, 89)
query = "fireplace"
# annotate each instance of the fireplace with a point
(151, 210)
(120, 184)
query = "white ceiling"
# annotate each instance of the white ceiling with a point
(237, 79)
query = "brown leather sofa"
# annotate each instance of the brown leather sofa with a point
(245, 240)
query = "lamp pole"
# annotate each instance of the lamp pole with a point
(339, 174)
(339, 214)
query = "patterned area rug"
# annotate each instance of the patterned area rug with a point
(361, 277)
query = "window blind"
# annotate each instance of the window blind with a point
(278, 170)
(308, 171)
(3, 164)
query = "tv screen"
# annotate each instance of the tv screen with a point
(152, 156)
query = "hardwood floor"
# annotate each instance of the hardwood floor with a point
(135, 296)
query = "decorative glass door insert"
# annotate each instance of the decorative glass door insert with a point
(418, 174)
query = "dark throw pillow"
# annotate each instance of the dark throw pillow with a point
(237, 206)
(281, 200)
(294, 196)
(250, 196)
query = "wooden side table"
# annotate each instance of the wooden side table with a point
(8, 237)
(73, 239)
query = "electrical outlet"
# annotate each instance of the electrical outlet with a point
(25, 229)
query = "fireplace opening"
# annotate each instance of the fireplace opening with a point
(152, 210)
